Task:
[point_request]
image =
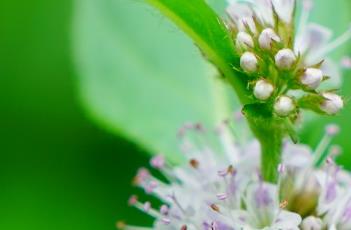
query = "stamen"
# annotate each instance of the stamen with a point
(158, 162)
(321, 154)
(176, 202)
(283, 204)
(165, 221)
(194, 163)
(281, 168)
(147, 206)
(164, 210)
(149, 188)
(346, 62)
(133, 200)
(336, 43)
(142, 175)
(335, 151)
(222, 196)
(307, 6)
(215, 208)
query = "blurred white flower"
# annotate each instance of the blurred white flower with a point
(214, 191)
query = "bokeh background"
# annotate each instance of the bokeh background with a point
(59, 168)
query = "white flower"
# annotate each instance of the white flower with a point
(284, 106)
(266, 38)
(285, 59)
(312, 78)
(214, 191)
(263, 90)
(248, 62)
(243, 41)
(312, 223)
(332, 104)
(246, 9)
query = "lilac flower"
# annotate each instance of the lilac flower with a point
(221, 188)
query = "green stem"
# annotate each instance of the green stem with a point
(270, 131)
(271, 149)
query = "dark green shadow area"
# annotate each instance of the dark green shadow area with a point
(57, 169)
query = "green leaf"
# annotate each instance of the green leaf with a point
(208, 31)
(140, 77)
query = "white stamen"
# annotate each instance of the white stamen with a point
(332, 129)
(281, 168)
(336, 43)
(346, 62)
(307, 5)
(222, 196)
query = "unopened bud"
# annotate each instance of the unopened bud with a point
(284, 106)
(243, 41)
(266, 37)
(248, 62)
(285, 59)
(263, 90)
(312, 223)
(312, 78)
(332, 104)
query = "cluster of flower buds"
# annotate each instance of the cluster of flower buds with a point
(273, 56)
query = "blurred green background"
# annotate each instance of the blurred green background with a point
(58, 169)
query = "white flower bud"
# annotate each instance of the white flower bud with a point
(332, 104)
(248, 62)
(266, 37)
(285, 59)
(263, 90)
(243, 41)
(284, 106)
(312, 223)
(312, 78)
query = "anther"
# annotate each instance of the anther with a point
(194, 163)
(215, 208)
(283, 204)
(222, 196)
(133, 200)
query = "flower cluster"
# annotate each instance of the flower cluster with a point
(285, 67)
(220, 188)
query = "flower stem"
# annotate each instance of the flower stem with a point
(271, 148)
(270, 132)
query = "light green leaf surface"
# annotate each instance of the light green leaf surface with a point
(140, 77)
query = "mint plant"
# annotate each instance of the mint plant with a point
(270, 182)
